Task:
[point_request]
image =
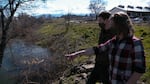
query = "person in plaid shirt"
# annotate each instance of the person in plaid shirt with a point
(126, 52)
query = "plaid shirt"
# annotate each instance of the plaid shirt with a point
(125, 57)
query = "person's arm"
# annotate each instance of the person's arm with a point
(89, 51)
(138, 61)
(134, 78)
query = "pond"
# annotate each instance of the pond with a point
(16, 56)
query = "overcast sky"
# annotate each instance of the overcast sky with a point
(80, 6)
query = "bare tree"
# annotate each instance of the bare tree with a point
(8, 9)
(96, 6)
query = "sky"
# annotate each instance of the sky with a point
(79, 6)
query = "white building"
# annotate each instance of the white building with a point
(142, 12)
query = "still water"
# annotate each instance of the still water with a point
(16, 55)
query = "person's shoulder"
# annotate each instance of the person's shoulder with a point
(135, 38)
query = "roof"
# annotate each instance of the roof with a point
(132, 8)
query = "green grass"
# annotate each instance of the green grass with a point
(139, 30)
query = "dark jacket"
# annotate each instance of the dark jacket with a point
(104, 36)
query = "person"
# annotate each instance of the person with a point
(126, 52)
(100, 70)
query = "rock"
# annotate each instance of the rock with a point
(78, 74)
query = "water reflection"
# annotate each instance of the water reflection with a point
(17, 56)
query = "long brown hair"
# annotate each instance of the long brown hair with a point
(123, 24)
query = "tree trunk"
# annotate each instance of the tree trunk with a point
(1, 54)
(2, 46)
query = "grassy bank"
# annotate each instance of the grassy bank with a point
(64, 38)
